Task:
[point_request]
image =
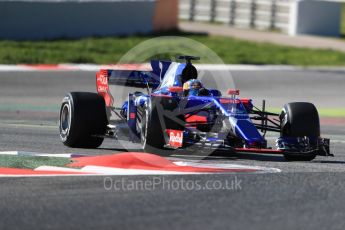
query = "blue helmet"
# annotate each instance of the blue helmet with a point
(193, 86)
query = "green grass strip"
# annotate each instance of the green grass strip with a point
(110, 50)
(323, 112)
(31, 162)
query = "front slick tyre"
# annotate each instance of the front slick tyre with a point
(83, 120)
(300, 119)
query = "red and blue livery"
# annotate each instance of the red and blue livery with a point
(177, 112)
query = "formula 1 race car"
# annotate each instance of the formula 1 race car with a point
(178, 112)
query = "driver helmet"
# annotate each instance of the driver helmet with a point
(193, 86)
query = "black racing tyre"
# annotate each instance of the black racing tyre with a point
(83, 120)
(156, 119)
(299, 119)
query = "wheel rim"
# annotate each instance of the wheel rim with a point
(65, 119)
(143, 128)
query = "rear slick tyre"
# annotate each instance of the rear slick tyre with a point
(83, 120)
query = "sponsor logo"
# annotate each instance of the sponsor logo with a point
(132, 115)
(176, 138)
(102, 79)
(102, 89)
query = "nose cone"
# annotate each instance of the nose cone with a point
(247, 131)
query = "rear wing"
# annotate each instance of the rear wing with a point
(137, 78)
(134, 78)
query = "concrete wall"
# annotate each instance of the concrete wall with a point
(43, 19)
(258, 14)
(315, 17)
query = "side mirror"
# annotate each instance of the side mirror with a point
(175, 89)
(233, 92)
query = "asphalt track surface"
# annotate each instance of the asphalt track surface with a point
(308, 195)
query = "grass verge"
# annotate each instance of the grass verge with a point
(31, 162)
(323, 112)
(111, 49)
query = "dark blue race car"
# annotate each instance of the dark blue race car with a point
(178, 112)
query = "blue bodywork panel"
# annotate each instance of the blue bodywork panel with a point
(207, 119)
(170, 76)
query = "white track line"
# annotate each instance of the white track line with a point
(101, 170)
(146, 66)
(225, 67)
(92, 67)
(120, 171)
(58, 169)
(225, 166)
(36, 154)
